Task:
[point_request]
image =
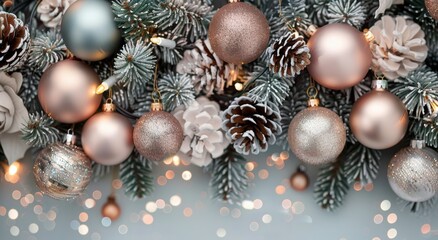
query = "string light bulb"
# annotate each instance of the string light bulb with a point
(105, 85)
(163, 42)
(13, 169)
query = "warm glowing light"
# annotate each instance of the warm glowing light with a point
(221, 232)
(186, 175)
(392, 218)
(175, 200)
(151, 207)
(90, 203)
(284, 155)
(188, 212)
(385, 205)
(238, 86)
(148, 219)
(357, 186)
(250, 166)
(378, 219)
(83, 217)
(13, 214)
(117, 184)
(280, 190)
(170, 174)
(425, 229)
(267, 218)
(258, 204)
(286, 203)
(176, 160)
(83, 229)
(248, 205)
(263, 174)
(160, 203)
(97, 195)
(13, 169)
(392, 233)
(161, 180)
(369, 187)
(16, 194)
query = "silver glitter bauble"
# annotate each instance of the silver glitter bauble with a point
(316, 135)
(158, 134)
(62, 171)
(89, 30)
(413, 172)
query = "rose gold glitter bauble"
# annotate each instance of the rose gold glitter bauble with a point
(158, 135)
(341, 56)
(107, 138)
(299, 181)
(379, 119)
(432, 8)
(239, 33)
(67, 91)
(111, 209)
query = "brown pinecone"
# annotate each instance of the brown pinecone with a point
(14, 41)
(251, 126)
(289, 55)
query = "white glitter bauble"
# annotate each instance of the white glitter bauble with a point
(413, 172)
(317, 135)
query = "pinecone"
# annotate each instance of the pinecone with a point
(208, 72)
(289, 55)
(51, 11)
(251, 126)
(14, 41)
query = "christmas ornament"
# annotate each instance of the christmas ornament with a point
(239, 33)
(203, 138)
(111, 209)
(398, 48)
(89, 31)
(289, 55)
(13, 116)
(316, 134)
(107, 136)
(50, 11)
(379, 119)
(413, 172)
(208, 72)
(251, 126)
(14, 41)
(67, 91)
(299, 181)
(158, 134)
(432, 8)
(340, 54)
(62, 170)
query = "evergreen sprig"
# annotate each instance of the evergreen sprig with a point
(295, 15)
(421, 208)
(417, 10)
(29, 88)
(317, 10)
(352, 12)
(188, 18)
(331, 186)
(418, 91)
(134, 65)
(229, 181)
(46, 49)
(100, 171)
(136, 175)
(176, 90)
(362, 164)
(172, 55)
(133, 17)
(40, 130)
(428, 131)
(268, 87)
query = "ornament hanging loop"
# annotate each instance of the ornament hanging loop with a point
(70, 137)
(156, 95)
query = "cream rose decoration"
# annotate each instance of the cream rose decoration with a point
(13, 116)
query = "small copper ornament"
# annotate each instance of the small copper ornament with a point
(111, 209)
(239, 33)
(62, 170)
(158, 134)
(413, 172)
(107, 136)
(67, 91)
(379, 119)
(341, 56)
(299, 181)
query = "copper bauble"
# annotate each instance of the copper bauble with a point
(239, 33)
(341, 56)
(107, 138)
(299, 181)
(62, 171)
(89, 31)
(413, 172)
(379, 119)
(316, 135)
(432, 8)
(158, 135)
(67, 91)
(111, 209)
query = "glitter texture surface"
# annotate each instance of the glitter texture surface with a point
(62, 171)
(432, 8)
(239, 33)
(413, 174)
(158, 135)
(317, 135)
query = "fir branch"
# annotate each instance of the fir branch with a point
(268, 87)
(176, 90)
(358, 90)
(141, 104)
(29, 89)
(133, 17)
(40, 131)
(46, 49)
(100, 171)
(188, 18)
(136, 175)
(428, 131)
(421, 208)
(417, 10)
(418, 91)
(172, 55)
(432, 54)
(331, 186)
(134, 65)
(295, 15)
(352, 12)
(317, 10)
(362, 164)
(229, 181)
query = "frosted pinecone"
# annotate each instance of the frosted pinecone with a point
(51, 11)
